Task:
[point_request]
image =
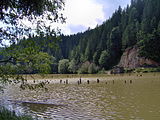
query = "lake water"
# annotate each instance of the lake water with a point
(120, 97)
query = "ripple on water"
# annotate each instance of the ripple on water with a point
(118, 101)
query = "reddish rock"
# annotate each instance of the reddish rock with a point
(131, 59)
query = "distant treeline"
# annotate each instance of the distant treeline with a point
(99, 49)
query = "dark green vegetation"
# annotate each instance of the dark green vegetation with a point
(100, 49)
(138, 24)
(95, 50)
(9, 115)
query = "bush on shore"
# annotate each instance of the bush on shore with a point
(11, 115)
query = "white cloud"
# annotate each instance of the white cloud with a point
(85, 13)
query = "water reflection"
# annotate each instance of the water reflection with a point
(95, 101)
(39, 107)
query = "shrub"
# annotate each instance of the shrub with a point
(84, 68)
(92, 68)
(63, 66)
(10, 115)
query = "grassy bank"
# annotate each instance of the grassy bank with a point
(10, 115)
(142, 70)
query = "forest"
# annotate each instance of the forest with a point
(94, 50)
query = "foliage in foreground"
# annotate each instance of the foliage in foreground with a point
(14, 14)
(20, 60)
(10, 115)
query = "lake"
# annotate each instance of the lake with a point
(115, 97)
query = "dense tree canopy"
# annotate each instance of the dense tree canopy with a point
(137, 24)
(102, 47)
(14, 15)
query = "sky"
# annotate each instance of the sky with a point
(84, 14)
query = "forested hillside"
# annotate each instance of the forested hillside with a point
(137, 24)
(101, 48)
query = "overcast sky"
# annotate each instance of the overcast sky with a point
(82, 14)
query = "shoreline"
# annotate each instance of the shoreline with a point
(74, 78)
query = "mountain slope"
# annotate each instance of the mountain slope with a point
(138, 24)
(101, 48)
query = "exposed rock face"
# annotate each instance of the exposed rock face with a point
(131, 59)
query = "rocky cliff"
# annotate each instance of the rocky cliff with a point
(131, 59)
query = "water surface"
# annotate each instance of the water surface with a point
(121, 97)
